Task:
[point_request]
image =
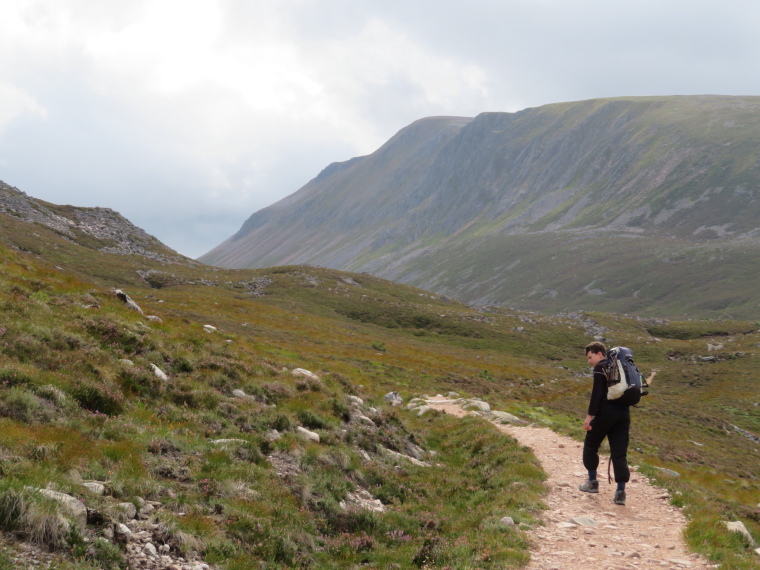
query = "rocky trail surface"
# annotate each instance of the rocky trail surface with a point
(582, 530)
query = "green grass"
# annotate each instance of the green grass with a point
(70, 403)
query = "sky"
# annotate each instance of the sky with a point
(187, 116)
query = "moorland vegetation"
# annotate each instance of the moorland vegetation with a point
(216, 449)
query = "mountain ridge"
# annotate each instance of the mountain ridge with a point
(672, 171)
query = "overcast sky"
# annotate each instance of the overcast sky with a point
(187, 116)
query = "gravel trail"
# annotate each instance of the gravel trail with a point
(645, 533)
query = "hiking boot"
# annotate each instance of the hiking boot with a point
(590, 487)
(619, 498)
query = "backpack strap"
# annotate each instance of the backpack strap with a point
(609, 464)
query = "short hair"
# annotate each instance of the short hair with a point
(596, 347)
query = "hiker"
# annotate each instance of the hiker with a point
(606, 418)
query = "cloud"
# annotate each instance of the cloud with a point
(187, 116)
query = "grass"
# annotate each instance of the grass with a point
(71, 403)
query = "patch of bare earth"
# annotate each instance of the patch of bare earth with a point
(645, 533)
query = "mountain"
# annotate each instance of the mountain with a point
(646, 205)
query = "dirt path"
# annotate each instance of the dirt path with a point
(645, 533)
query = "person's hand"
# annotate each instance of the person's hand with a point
(587, 423)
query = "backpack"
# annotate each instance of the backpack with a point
(625, 385)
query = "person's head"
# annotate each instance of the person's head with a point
(595, 352)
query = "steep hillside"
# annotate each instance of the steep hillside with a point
(542, 208)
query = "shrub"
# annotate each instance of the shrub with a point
(341, 410)
(141, 382)
(10, 377)
(52, 394)
(311, 420)
(306, 384)
(12, 507)
(111, 334)
(21, 405)
(106, 554)
(181, 365)
(25, 348)
(98, 398)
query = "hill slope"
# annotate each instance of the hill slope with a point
(542, 208)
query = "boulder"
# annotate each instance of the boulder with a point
(306, 434)
(393, 398)
(122, 533)
(73, 507)
(128, 509)
(505, 418)
(477, 405)
(127, 301)
(738, 526)
(95, 487)
(160, 374)
(304, 373)
(365, 420)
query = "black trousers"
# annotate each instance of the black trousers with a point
(612, 422)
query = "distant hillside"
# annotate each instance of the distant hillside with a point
(646, 205)
(96, 228)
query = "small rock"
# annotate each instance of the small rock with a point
(584, 521)
(150, 550)
(228, 441)
(668, 472)
(238, 393)
(154, 318)
(126, 362)
(422, 409)
(355, 400)
(209, 328)
(507, 521)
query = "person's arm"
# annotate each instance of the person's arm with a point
(598, 392)
(587, 423)
(648, 381)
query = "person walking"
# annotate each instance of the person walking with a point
(605, 418)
